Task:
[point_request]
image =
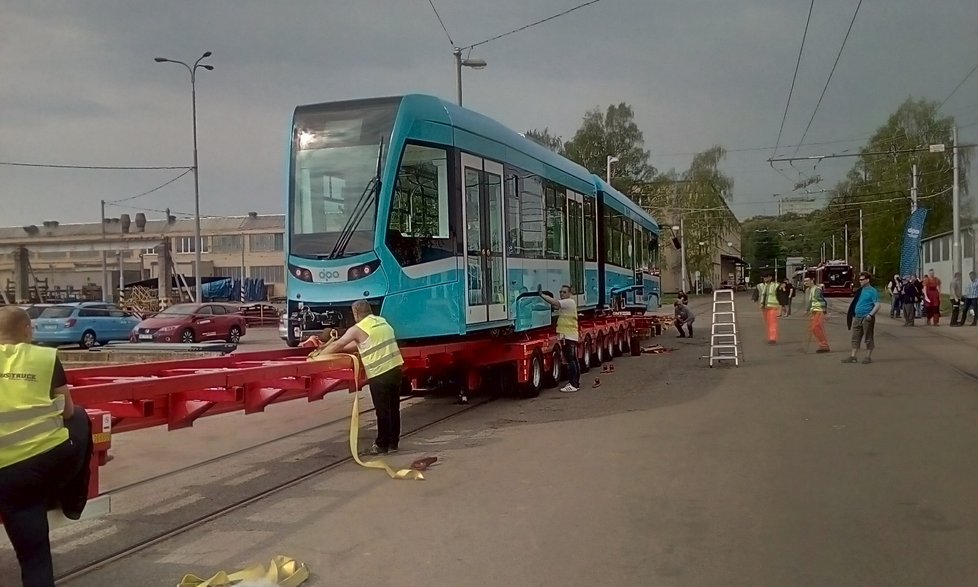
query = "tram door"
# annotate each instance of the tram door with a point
(485, 238)
(575, 244)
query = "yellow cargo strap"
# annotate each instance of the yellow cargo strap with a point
(283, 571)
(316, 355)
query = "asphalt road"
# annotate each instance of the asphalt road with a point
(792, 469)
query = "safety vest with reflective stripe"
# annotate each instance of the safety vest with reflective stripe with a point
(380, 353)
(767, 294)
(816, 299)
(30, 421)
(567, 320)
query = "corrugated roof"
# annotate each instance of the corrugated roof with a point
(208, 226)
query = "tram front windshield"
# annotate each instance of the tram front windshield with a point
(335, 152)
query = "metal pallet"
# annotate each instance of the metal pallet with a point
(724, 344)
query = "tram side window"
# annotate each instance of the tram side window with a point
(640, 246)
(418, 230)
(531, 223)
(590, 252)
(514, 244)
(613, 221)
(627, 247)
(556, 206)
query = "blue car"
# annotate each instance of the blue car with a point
(85, 324)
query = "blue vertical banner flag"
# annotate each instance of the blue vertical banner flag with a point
(910, 253)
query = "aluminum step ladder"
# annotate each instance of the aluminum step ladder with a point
(724, 344)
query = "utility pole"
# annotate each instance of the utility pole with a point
(862, 267)
(833, 245)
(105, 265)
(955, 208)
(846, 229)
(913, 191)
(682, 251)
(775, 268)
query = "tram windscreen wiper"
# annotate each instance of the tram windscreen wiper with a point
(360, 208)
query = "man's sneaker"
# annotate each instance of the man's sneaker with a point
(568, 388)
(376, 450)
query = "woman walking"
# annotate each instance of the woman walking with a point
(932, 298)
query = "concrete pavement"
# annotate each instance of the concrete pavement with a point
(793, 469)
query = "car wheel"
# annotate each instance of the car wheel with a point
(88, 339)
(234, 335)
(187, 336)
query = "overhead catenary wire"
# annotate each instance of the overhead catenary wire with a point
(147, 192)
(794, 77)
(441, 22)
(831, 73)
(532, 24)
(957, 87)
(96, 167)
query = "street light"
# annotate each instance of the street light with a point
(611, 159)
(459, 64)
(198, 290)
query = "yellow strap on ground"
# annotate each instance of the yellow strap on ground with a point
(355, 417)
(283, 571)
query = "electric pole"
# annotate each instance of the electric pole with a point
(955, 208)
(913, 191)
(105, 267)
(833, 245)
(862, 267)
(846, 232)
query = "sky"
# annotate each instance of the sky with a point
(78, 85)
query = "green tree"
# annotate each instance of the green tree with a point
(879, 184)
(543, 137)
(613, 133)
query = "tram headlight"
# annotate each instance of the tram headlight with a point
(361, 271)
(300, 273)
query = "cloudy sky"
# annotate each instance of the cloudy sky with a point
(78, 84)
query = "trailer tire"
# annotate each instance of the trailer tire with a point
(534, 383)
(622, 347)
(636, 344)
(556, 368)
(609, 346)
(586, 355)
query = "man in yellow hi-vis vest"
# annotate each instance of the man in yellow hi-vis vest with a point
(374, 339)
(766, 296)
(44, 441)
(567, 329)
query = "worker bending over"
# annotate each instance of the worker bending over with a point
(374, 339)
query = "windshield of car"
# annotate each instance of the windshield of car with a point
(57, 312)
(335, 153)
(179, 311)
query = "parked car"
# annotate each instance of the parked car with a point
(260, 314)
(34, 310)
(188, 323)
(84, 323)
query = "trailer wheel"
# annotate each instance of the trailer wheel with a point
(586, 356)
(609, 349)
(556, 369)
(622, 346)
(534, 384)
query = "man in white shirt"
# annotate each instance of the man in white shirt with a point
(567, 328)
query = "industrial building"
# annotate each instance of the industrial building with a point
(66, 259)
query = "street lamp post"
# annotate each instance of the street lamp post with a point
(459, 64)
(611, 159)
(193, 97)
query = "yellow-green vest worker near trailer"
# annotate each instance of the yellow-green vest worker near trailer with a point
(376, 343)
(45, 446)
(569, 332)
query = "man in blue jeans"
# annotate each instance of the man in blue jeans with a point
(567, 329)
(864, 320)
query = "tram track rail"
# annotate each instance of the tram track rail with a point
(121, 553)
